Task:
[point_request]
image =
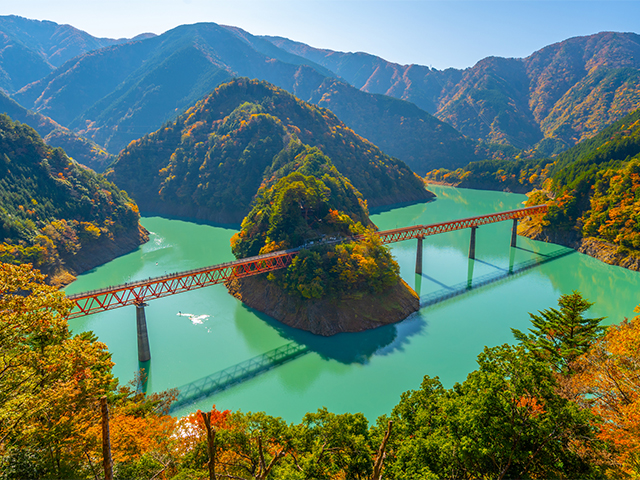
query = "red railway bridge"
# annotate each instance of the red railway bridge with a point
(139, 292)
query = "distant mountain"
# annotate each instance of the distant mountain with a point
(415, 83)
(56, 214)
(79, 148)
(30, 49)
(120, 93)
(398, 127)
(211, 161)
(554, 98)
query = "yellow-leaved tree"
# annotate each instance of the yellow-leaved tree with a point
(49, 379)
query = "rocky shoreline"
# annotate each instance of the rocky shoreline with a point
(351, 313)
(594, 247)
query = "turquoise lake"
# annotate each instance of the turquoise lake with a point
(466, 305)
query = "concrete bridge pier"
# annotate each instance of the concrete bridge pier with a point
(472, 243)
(419, 257)
(144, 353)
(514, 232)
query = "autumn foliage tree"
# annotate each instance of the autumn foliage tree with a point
(608, 376)
(49, 379)
(507, 420)
(50, 385)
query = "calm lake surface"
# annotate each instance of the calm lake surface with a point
(466, 305)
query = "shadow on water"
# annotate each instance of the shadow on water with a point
(531, 251)
(489, 278)
(437, 282)
(388, 208)
(347, 348)
(236, 374)
(490, 265)
(197, 221)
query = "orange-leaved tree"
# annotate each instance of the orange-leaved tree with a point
(198, 449)
(142, 434)
(608, 376)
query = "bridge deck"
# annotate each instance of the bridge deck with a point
(141, 291)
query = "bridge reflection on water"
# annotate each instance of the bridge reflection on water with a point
(342, 347)
(241, 372)
(471, 283)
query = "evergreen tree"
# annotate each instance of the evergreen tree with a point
(560, 336)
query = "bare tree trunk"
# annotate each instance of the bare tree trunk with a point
(106, 441)
(211, 438)
(93, 470)
(377, 467)
(264, 469)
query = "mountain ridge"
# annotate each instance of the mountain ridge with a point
(47, 45)
(122, 92)
(536, 103)
(80, 149)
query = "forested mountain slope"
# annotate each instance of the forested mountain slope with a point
(117, 94)
(61, 217)
(593, 190)
(210, 162)
(552, 99)
(79, 148)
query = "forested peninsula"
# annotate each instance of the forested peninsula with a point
(335, 284)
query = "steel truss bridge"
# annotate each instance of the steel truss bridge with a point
(139, 292)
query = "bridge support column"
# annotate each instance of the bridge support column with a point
(470, 273)
(419, 257)
(144, 353)
(472, 243)
(514, 233)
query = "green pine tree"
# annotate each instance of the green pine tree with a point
(560, 336)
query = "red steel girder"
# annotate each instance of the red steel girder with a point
(133, 293)
(420, 231)
(141, 291)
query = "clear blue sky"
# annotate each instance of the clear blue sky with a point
(438, 33)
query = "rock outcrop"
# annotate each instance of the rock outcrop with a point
(328, 316)
(608, 253)
(604, 251)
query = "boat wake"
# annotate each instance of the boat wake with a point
(195, 319)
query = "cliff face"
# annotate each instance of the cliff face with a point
(608, 253)
(327, 316)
